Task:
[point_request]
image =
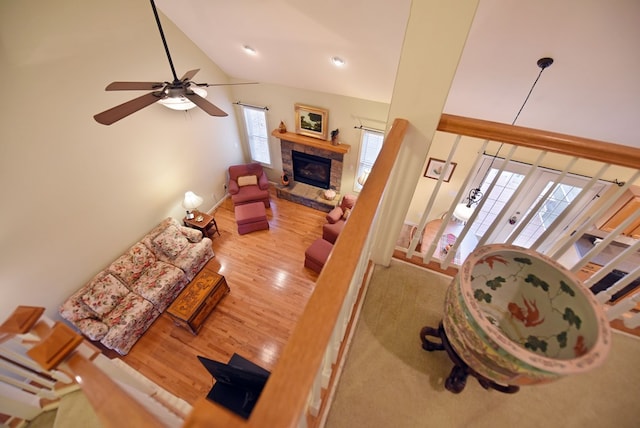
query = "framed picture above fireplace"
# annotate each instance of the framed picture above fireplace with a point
(312, 121)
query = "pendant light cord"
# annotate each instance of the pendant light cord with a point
(542, 63)
(475, 194)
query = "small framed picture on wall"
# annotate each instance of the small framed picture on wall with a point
(435, 168)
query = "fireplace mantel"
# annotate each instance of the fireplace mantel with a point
(311, 142)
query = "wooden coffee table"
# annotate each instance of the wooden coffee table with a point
(197, 300)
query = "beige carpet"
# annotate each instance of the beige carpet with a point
(389, 381)
(74, 412)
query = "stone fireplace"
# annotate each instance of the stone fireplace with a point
(312, 166)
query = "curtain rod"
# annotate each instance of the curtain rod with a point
(369, 129)
(249, 105)
(615, 180)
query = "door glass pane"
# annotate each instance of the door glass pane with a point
(549, 211)
(496, 200)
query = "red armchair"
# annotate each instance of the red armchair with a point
(248, 183)
(336, 218)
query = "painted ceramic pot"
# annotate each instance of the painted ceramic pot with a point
(519, 318)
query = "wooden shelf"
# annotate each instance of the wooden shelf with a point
(312, 142)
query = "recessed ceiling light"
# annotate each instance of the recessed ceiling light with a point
(248, 49)
(337, 61)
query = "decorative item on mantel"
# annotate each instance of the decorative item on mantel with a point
(282, 128)
(334, 137)
(329, 194)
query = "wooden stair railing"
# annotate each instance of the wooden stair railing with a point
(59, 346)
(553, 142)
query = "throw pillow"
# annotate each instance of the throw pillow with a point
(247, 180)
(171, 241)
(346, 214)
(104, 294)
(193, 235)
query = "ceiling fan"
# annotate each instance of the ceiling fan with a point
(179, 88)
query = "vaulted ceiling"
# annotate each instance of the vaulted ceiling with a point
(591, 90)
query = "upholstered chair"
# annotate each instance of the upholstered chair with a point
(337, 217)
(248, 183)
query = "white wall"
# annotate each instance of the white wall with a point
(75, 194)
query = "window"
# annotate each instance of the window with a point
(370, 145)
(255, 123)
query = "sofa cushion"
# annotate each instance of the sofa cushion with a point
(104, 294)
(127, 322)
(247, 180)
(129, 266)
(160, 284)
(171, 241)
(330, 232)
(346, 214)
(93, 329)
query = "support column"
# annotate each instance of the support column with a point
(434, 40)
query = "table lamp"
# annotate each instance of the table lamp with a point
(191, 202)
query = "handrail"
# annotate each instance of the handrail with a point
(284, 398)
(553, 142)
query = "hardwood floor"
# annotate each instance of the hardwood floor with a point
(269, 289)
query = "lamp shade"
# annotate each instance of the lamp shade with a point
(463, 212)
(180, 102)
(191, 201)
(363, 177)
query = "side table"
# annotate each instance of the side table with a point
(203, 222)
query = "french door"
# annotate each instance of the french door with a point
(558, 197)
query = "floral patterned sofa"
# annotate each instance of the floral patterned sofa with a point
(118, 305)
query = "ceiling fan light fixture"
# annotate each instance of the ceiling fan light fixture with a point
(181, 102)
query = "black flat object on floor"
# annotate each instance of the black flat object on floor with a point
(238, 383)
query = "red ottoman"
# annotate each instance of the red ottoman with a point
(251, 217)
(317, 254)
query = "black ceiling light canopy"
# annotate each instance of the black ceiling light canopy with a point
(545, 62)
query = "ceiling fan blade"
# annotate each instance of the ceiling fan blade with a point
(116, 113)
(205, 105)
(134, 86)
(189, 74)
(226, 84)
